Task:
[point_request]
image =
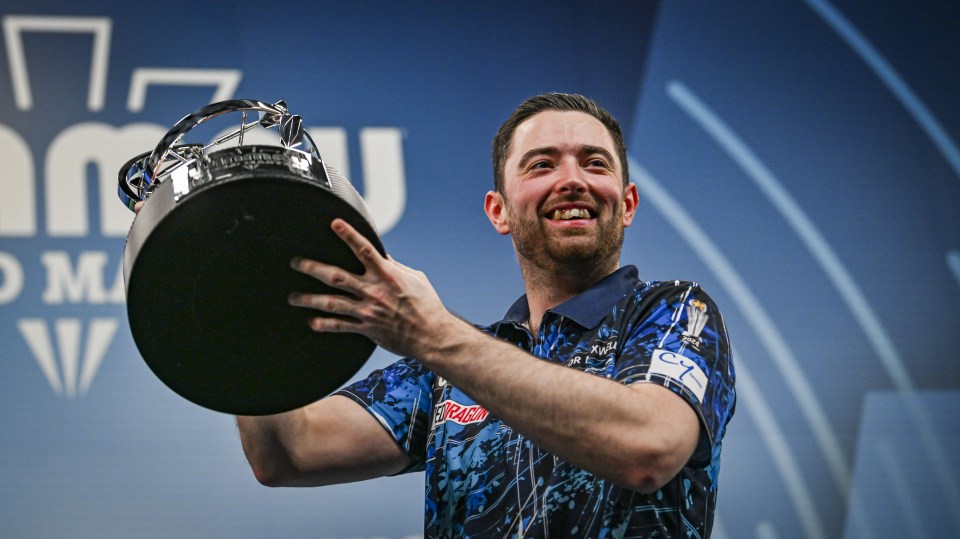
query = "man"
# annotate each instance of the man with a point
(596, 408)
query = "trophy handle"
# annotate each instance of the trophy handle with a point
(140, 175)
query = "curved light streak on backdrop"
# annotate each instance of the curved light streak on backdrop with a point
(786, 361)
(891, 79)
(837, 272)
(747, 388)
(831, 265)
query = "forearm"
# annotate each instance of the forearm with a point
(609, 429)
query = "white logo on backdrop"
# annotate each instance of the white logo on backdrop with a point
(81, 280)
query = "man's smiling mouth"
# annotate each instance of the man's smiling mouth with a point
(570, 213)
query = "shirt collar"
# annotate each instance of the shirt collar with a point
(588, 307)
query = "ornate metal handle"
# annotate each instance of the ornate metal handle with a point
(139, 175)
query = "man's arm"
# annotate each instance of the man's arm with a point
(638, 436)
(330, 441)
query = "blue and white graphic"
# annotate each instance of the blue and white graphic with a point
(798, 159)
(676, 367)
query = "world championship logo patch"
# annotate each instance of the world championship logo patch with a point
(696, 320)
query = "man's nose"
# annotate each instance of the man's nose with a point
(572, 179)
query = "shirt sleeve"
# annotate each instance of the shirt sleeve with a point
(676, 337)
(400, 398)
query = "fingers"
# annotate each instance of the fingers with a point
(334, 325)
(337, 277)
(325, 302)
(360, 245)
(331, 304)
(329, 275)
(368, 297)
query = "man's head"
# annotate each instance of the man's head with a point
(562, 192)
(553, 101)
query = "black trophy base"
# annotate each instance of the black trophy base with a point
(207, 286)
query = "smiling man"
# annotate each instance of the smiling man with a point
(595, 408)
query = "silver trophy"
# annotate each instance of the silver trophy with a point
(207, 262)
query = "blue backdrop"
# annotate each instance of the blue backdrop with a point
(798, 158)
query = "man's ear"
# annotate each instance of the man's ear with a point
(493, 206)
(630, 202)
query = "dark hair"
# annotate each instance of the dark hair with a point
(553, 101)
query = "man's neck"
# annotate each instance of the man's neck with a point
(549, 287)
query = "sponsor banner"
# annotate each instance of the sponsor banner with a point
(449, 410)
(679, 369)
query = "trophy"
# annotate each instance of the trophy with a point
(207, 262)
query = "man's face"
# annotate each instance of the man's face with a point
(563, 197)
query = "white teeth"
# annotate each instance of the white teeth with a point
(571, 213)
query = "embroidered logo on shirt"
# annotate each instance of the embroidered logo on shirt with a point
(681, 369)
(449, 410)
(696, 320)
(599, 352)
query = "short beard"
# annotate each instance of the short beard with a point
(558, 254)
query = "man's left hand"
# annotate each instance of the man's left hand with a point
(392, 304)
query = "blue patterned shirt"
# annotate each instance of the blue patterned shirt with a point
(484, 479)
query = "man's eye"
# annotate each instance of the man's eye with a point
(597, 163)
(541, 164)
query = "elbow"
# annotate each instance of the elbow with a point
(284, 471)
(267, 476)
(284, 467)
(269, 462)
(266, 472)
(278, 469)
(278, 480)
(652, 467)
(646, 479)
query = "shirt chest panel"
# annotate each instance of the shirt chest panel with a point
(593, 350)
